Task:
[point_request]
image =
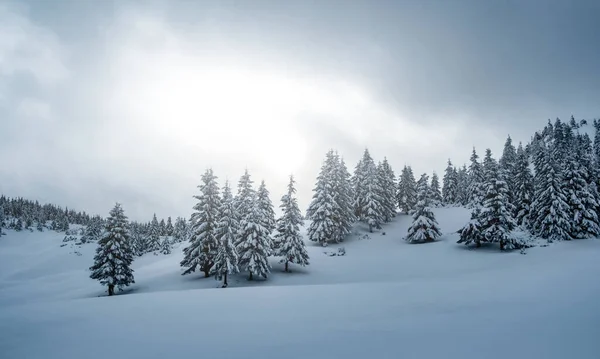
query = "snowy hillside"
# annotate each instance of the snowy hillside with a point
(385, 298)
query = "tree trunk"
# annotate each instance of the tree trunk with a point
(501, 245)
(225, 281)
(206, 273)
(477, 244)
(111, 289)
(370, 228)
(286, 265)
(250, 277)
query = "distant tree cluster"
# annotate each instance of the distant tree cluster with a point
(558, 200)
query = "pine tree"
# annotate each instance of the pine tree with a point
(387, 185)
(162, 228)
(265, 206)
(462, 186)
(369, 202)
(476, 191)
(449, 191)
(255, 246)
(290, 244)
(203, 243)
(165, 246)
(472, 231)
(154, 243)
(597, 143)
(523, 186)
(226, 260)
(321, 209)
(496, 216)
(112, 262)
(244, 201)
(550, 217)
(435, 193)
(424, 227)
(169, 228)
(507, 167)
(180, 229)
(407, 191)
(343, 210)
(93, 231)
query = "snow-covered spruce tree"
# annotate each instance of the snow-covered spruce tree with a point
(476, 190)
(435, 193)
(450, 189)
(255, 246)
(203, 243)
(462, 186)
(549, 214)
(179, 229)
(162, 228)
(291, 246)
(265, 206)
(320, 211)
(407, 191)
(154, 236)
(597, 143)
(471, 232)
(343, 209)
(496, 216)
(368, 203)
(591, 198)
(165, 245)
(387, 187)
(226, 260)
(507, 165)
(424, 227)
(112, 262)
(169, 228)
(523, 186)
(243, 202)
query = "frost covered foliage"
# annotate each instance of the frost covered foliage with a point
(475, 189)
(331, 210)
(387, 187)
(243, 202)
(93, 231)
(368, 204)
(523, 187)
(165, 246)
(424, 227)
(471, 233)
(289, 241)
(265, 206)
(407, 190)
(254, 247)
(435, 194)
(112, 262)
(450, 189)
(153, 242)
(226, 259)
(200, 253)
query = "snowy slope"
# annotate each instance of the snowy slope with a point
(384, 298)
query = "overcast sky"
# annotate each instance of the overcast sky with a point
(105, 101)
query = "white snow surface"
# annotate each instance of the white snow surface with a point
(384, 299)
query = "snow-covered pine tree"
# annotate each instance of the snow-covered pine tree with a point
(523, 186)
(368, 202)
(162, 228)
(424, 227)
(471, 232)
(165, 245)
(226, 260)
(343, 210)
(255, 246)
(291, 247)
(93, 231)
(200, 253)
(179, 229)
(435, 193)
(243, 202)
(450, 189)
(462, 186)
(112, 262)
(321, 209)
(387, 184)
(407, 191)
(476, 190)
(597, 143)
(265, 206)
(169, 228)
(549, 214)
(496, 216)
(507, 165)
(154, 236)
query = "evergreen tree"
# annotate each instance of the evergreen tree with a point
(244, 201)
(226, 260)
(387, 186)
(507, 167)
(203, 243)
(162, 228)
(343, 210)
(265, 207)
(368, 202)
(450, 189)
(424, 227)
(290, 244)
(154, 243)
(476, 190)
(582, 204)
(165, 246)
(407, 191)
(179, 229)
(93, 231)
(169, 227)
(112, 262)
(435, 193)
(550, 217)
(597, 143)
(496, 216)
(523, 186)
(320, 212)
(472, 232)
(255, 246)
(462, 186)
